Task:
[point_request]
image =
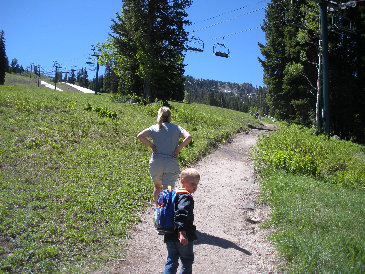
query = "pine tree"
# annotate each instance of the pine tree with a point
(292, 62)
(4, 63)
(111, 80)
(274, 60)
(346, 72)
(147, 48)
(72, 78)
(82, 78)
(14, 65)
(288, 71)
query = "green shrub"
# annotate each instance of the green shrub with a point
(152, 109)
(102, 112)
(293, 162)
(298, 149)
(315, 186)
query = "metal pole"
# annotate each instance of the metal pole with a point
(97, 76)
(326, 107)
(57, 66)
(55, 79)
(97, 55)
(39, 75)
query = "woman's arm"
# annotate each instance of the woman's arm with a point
(142, 136)
(187, 139)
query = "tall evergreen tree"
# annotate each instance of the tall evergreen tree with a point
(288, 71)
(147, 47)
(275, 58)
(291, 64)
(72, 78)
(346, 72)
(111, 80)
(14, 66)
(4, 63)
(82, 78)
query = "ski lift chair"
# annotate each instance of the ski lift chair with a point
(221, 50)
(196, 44)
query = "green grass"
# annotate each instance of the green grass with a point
(320, 226)
(21, 80)
(299, 150)
(31, 80)
(73, 177)
(319, 216)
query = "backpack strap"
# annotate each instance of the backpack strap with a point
(182, 190)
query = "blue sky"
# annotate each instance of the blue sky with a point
(44, 31)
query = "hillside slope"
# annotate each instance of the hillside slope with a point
(73, 176)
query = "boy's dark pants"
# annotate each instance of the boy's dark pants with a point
(185, 253)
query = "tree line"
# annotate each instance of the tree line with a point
(292, 63)
(241, 97)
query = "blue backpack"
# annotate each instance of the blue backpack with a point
(164, 213)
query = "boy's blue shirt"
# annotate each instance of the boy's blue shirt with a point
(184, 218)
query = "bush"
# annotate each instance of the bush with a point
(298, 149)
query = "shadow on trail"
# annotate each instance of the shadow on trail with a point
(204, 238)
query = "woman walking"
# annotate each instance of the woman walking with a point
(164, 165)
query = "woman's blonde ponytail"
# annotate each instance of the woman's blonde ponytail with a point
(164, 115)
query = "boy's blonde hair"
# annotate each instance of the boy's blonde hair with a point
(164, 115)
(190, 173)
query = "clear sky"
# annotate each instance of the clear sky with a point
(44, 31)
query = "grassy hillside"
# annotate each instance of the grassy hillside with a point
(73, 177)
(316, 187)
(31, 79)
(22, 80)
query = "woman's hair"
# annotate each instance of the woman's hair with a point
(164, 115)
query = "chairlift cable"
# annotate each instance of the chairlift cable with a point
(235, 17)
(219, 15)
(235, 33)
(229, 19)
(226, 12)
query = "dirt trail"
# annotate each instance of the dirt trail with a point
(226, 215)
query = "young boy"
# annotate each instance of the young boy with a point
(180, 243)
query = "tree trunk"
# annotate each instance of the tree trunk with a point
(147, 74)
(319, 97)
(146, 87)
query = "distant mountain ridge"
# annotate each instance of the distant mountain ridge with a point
(242, 97)
(230, 89)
